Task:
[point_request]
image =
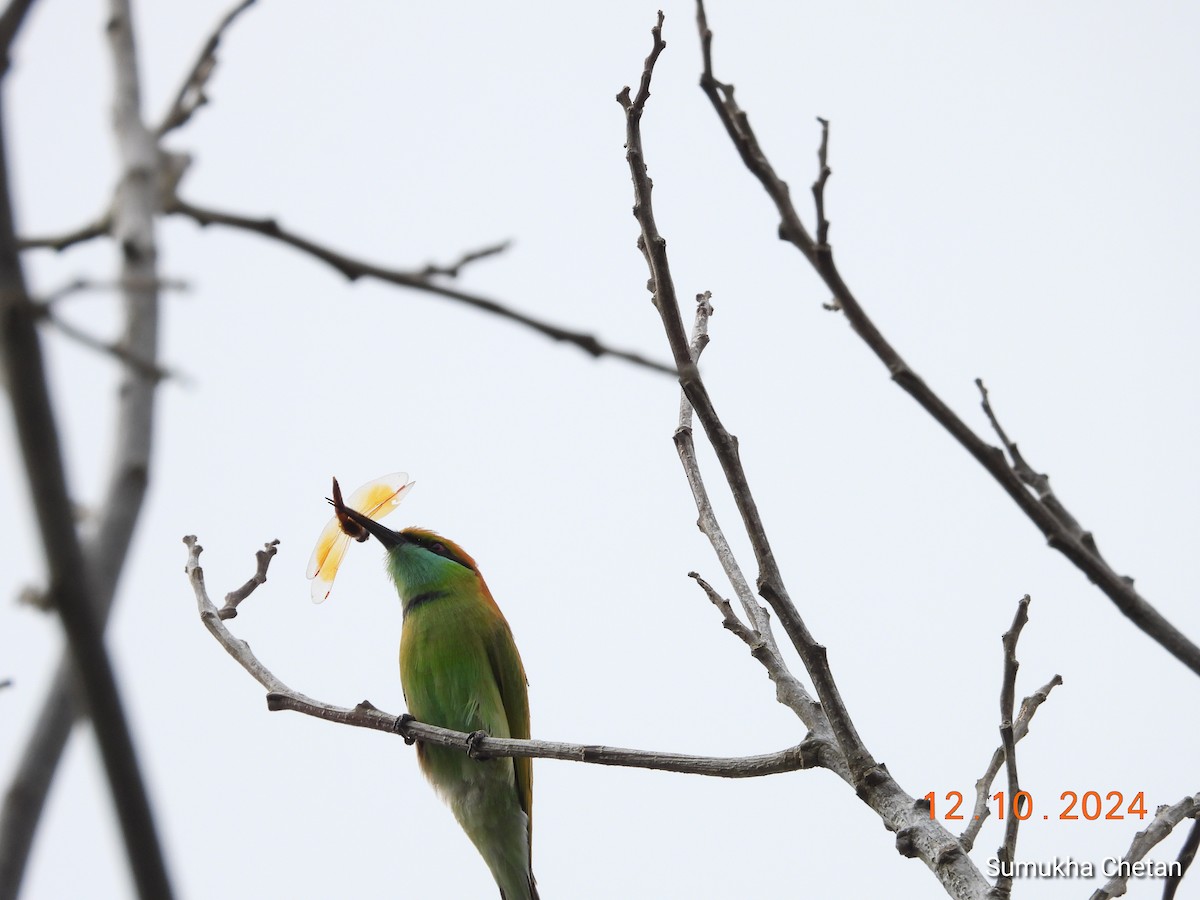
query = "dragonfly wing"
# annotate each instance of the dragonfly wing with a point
(376, 499)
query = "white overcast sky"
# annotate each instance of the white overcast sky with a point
(1015, 196)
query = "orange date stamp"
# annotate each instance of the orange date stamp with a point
(1072, 806)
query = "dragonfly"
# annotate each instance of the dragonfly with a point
(375, 499)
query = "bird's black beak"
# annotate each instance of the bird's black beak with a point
(361, 527)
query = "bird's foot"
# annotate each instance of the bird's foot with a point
(402, 720)
(474, 739)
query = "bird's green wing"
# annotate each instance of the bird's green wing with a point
(514, 692)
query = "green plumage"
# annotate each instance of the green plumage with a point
(460, 669)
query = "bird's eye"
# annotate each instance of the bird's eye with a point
(438, 547)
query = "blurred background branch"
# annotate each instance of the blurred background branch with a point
(82, 580)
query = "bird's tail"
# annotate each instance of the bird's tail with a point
(530, 894)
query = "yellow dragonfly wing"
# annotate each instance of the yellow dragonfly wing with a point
(375, 499)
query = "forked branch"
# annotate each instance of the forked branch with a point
(983, 787)
(1039, 509)
(804, 755)
(917, 834)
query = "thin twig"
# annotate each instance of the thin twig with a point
(99, 228)
(1040, 482)
(451, 270)
(82, 285)
(1007, 853)
(1165, 820)
(365, 715)
(820, 255)
(190, 96)
(729, 619)
(818, 188)
(353, 269)
(788, 690)
(983, 787)
(233, 598)
(119, 352)
(706, 519)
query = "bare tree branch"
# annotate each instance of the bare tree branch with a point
(102, 559)
(707, 519)
(916, 833)
(190, 96)
(1165, 820)
(770, 583)
(758, 637)
(1187, 855)
(116, 349)
(233, 598)
(10, 23)
(69, 584)
(788, 689)
(1008, 851)
(353, 269)
(452, 270)
(149, 181)
(365, 715)
(99, 228)
(1036, 480)
(82, 285)
(25, 796)
(983, 787)
(820, 255)
(148, 368)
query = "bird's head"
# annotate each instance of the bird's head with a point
(419, 560)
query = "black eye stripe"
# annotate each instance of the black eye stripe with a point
(440, 549)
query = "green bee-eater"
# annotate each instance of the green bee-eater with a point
(460, 669)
